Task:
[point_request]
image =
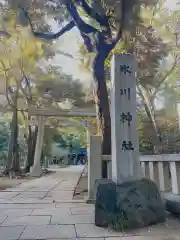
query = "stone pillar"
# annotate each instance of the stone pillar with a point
(46, 162)
(110, 170)
(88, 132)
(125, 142)
(94, 164)
(36, 168)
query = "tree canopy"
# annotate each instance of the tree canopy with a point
(145, 28)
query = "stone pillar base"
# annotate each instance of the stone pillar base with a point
(89, 200)
(36, 171)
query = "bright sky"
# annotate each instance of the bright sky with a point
(69, 43)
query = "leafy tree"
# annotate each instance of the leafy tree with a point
(167, 63)
(4, 137)
(104, 19)
(19, 54)
(64, 90)
(156, 50)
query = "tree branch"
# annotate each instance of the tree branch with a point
(77, 21)
(49, 36)
(102, 20)
(165, 76)
(24, 77)
(148, 112)
(121, 27)
(7, 84)
(82, 26)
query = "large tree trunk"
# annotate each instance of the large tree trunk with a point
(31, 142)
(13, 148)
(35, 132)
(11, 142)
(15, 160)
(102, 107)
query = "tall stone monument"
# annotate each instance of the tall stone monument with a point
(135, 203)
(125, 142)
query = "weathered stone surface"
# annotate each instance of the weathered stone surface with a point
(49, 232)
(91, 231)
(132, 204)
(89, 209)
(105, 206)
(2, 218)
(27, 220)
(11, 233)
(172, 205)
(12, 213)
(72, 219)
(138, 204)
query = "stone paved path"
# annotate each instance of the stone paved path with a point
(44, 209)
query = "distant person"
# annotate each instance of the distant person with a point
(81, 159)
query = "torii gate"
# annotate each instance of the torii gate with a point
(41, 113)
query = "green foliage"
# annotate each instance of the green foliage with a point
(65, 91)
(60, 140)
(119, 223)
(19, 56)
(4, 136)
(168, 128)
(153, 39)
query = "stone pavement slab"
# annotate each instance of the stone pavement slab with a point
(90, 230)
(64, 188)
(65, 211)
(88, 209)
(29, 220)
(15, 189)
(11, 233)
(8, 195)
(72, 219)
(27, 195)
(73, 204)
(59, 195)
(24, 206)
(2, 218)
(43, 209)
(49, 232)
(15, 212)
(74, 239)
(170, 237)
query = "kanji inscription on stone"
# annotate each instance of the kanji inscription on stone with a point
(126, 117)
(125, 92)
(125, 69)
(124, 128)
(127, 145)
